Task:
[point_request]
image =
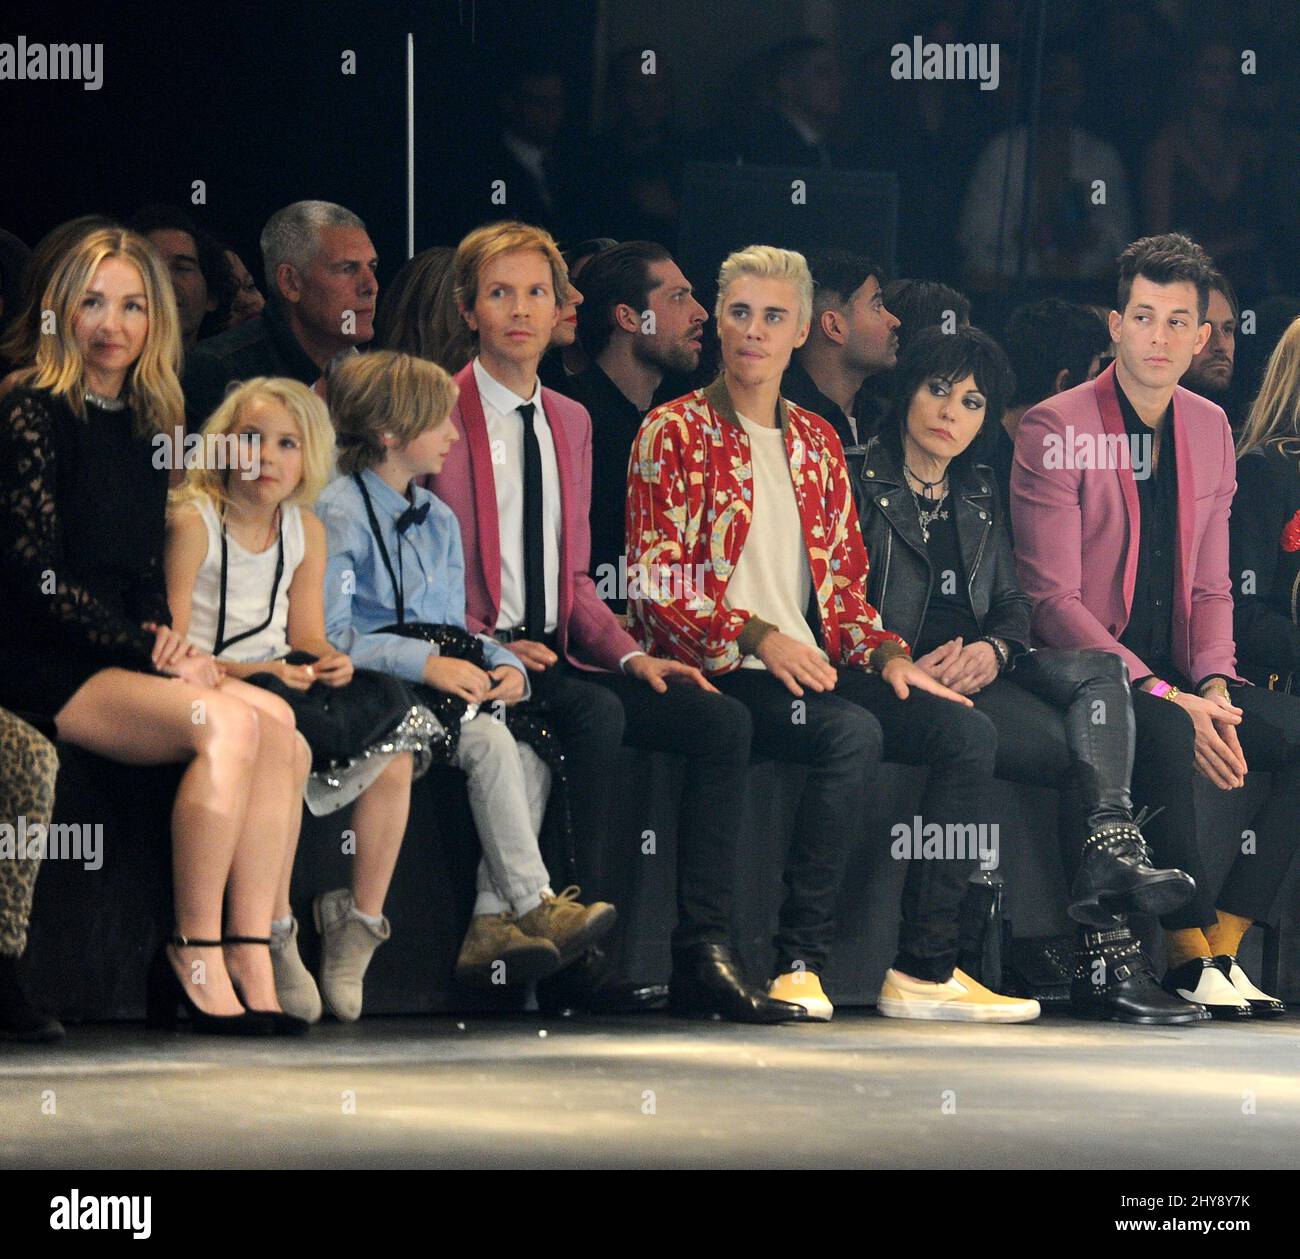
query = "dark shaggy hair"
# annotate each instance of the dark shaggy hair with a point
(933, 354)
(1168, 259)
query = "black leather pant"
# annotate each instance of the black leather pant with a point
(1065, 719)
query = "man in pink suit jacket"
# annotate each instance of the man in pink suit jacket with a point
(589, 635)
(1121, 490)
(519, 482)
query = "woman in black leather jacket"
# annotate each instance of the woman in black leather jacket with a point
(943, 577)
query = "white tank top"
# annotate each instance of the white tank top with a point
(249, 578)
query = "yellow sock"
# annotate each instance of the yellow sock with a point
(1185, 944)
(1225, 935)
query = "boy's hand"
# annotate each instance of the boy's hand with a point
(508, 685)
(457, 677)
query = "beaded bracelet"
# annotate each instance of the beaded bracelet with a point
(1000, 651)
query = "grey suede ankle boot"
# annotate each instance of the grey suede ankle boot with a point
(294, 985)
(347, 945)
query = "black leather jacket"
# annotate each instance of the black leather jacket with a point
(901, 578)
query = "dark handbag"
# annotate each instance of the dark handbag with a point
(1040, 967)
(983, 930)
(341, 722)
(989, 951)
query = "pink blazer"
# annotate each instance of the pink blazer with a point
(590, 635)
(1076, 527)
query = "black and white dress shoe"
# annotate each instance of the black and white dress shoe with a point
(1201, 980)
(1264, 1006)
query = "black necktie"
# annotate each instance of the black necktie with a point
(411, 516)
(534, 554)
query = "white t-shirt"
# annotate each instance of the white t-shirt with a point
(772, 578)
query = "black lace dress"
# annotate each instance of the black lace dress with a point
(82, 512)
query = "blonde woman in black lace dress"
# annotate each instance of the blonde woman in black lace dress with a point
(86, 650)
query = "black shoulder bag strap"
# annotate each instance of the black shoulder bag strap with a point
(222, 641)
(397, 578)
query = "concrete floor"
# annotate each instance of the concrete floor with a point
(651, 1091)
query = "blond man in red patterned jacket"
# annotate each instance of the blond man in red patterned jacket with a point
(745, 558)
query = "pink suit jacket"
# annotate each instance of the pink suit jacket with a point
(590, 635)
(1076, 528)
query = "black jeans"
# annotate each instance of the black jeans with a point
(1165, 772)
(838, 742)
(1064, 719)
(841, 736)
(596, 712)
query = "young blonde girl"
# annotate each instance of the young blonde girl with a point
(245, 579)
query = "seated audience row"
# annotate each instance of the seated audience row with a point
(459, 593)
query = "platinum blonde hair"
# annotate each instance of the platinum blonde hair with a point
(768, 262)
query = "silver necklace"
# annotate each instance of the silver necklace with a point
(104, 402)
(937, 511)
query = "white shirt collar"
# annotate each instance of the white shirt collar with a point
(504, 400)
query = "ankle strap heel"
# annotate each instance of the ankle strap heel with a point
(167, 994)
(282, 1024)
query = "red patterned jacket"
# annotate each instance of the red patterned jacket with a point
(688, 514)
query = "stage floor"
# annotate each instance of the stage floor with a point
(651, 1091)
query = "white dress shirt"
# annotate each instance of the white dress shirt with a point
(506, 439)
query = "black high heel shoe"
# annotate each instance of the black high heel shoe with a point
(166, 994)
(282, 1024)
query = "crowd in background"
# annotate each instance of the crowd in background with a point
(408, 369)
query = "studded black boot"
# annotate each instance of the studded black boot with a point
(1113, 982)
(1116, 876)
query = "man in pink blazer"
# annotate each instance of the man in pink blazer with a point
(520, 485)
(1120, 494)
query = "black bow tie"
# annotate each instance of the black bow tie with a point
(412, 516)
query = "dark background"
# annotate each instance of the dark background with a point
(250, 98)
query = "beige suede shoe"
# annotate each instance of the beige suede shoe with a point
(568, 924)
(346, 947)
(294, 986)
(496, 953)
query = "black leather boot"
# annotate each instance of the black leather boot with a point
(1114, 982)
(1116, 876)
(707, 983)
(19, 1019)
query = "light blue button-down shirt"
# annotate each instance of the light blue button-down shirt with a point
(359, 595)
